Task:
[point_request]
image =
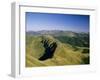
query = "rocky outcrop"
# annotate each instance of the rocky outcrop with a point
(50, 48)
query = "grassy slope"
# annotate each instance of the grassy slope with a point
(65, 54)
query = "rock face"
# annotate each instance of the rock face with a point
(49, 49)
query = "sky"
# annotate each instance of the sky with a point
(55, 21)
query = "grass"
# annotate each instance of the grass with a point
(65, 54)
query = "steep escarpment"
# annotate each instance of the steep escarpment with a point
(49, 49)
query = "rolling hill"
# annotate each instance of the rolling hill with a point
(51, 48)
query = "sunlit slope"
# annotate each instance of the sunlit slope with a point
(64, 54)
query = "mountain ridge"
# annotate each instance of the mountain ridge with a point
(73, 38)
(64, 54)
(41, 32)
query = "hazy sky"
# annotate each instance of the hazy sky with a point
(48, 21)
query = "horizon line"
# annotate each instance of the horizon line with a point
(58, 30)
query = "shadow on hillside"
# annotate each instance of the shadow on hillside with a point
(86, 60)
(49, 49)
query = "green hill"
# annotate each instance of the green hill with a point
(46, 50)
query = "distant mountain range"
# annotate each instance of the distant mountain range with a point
(57, 33)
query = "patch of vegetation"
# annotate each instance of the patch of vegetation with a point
(80, 41)
(86, 60)
(85, 51)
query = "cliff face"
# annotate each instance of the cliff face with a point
(49, 49)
